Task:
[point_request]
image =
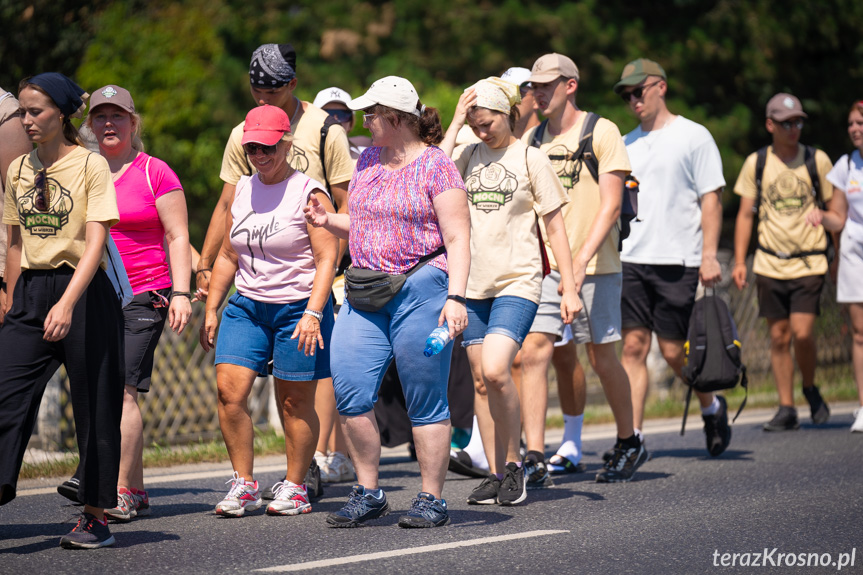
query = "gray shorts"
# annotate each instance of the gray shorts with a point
(599, 320)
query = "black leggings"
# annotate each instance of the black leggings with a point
(92, 353)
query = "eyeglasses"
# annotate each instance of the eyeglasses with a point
(42, 199)
(341, 116)
(637, 92)
(368, 118)
(788, 124)
(252, 149)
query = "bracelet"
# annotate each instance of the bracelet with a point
(181, 293)
(204, 270)
(457, 298)
(315, 314)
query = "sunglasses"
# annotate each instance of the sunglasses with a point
(788, 124)
(637, 92)
(252, 149)
(158, 300)
(341, 116)
(42, 199)
(525, 89)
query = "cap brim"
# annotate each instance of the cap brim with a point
(780, 117)
(543, 78)
(265, 137)
(361, 103)
(629, 81)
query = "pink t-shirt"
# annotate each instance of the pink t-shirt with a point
(393, 220)
(270, 237)
(140, 235)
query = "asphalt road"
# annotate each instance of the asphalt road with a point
(795, 495)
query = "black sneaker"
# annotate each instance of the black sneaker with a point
(90, 533)
(425, 511)
(817, 407)
(462, 464)
(486, 492)
(623, 464)
(609, 455)
(716, 429)
(314, 485)
(784, 420)
(69, 489)
(536, 471)
(361, 507)
(512, 487)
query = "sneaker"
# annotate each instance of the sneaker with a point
(89, 533)
(69, 489)
(857, 426)
(609, 455)
(486, 492)
(125, 509)
(461, 463)
(817, 407)
(623, 464)
(267, 494)
(241, 498)
(460, 438)
(361, 507)
(312, 481)
(338, 468)
(716, 429)
(512, 487)
(290, 499)
(425, 511)
(142, 502)
(536, 471)
(562, 465)
(784, 420)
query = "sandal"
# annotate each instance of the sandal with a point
(560, 465)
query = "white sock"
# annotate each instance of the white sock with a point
(639, 434)
(570, 447)
(475, 449)
(712, 408)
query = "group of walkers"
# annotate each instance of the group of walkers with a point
(346, 254)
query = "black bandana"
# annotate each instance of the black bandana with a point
(273, 65)
(66, 94)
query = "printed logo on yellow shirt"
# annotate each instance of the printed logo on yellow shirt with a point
(788, 193)
(490, 187)
(298, 159)
(51, 221)
(567, 169)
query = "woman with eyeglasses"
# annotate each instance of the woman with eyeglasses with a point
(152, 214)
(283, 269)
(847, 179)
(406, 204)
(60, 203)
(509, 185)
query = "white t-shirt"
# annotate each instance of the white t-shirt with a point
(675, 166)
(849, 286)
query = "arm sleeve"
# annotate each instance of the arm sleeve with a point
(824, 166)
(101, 195)
(10, 207)
(337, 155)
(745, 185)
(444, 174)
(460, 157)
(234, 161)
(706, 165)
(163, 178)
(548, 193)
(838, 175)
(609, 148)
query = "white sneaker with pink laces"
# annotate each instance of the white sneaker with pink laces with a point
(242, 497)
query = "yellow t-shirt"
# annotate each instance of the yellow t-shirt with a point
(305, 152)
(786, 198)
(583, 190)
(506, 189)
(81, 190)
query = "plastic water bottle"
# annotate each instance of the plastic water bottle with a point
(437, 340)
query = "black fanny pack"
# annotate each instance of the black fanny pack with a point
(369, 290)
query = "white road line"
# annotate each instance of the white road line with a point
(412, 551)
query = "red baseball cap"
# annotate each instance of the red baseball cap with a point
(266, 125)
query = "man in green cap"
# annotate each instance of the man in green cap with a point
(673, 242)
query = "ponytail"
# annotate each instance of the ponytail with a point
(430, 129)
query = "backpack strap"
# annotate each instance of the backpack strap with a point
(812, 168)
(538, 134)
(586, 146)
(760, 162)
(324, 130)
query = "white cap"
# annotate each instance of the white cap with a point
(517, 76)
(393, 92)
(332, 94)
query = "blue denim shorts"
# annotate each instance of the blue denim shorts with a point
(254, 332)
(505, 315)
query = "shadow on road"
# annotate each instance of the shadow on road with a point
(731, 454)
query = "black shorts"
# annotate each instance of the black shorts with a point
(778, 299)
(144, 325)
(659, 298)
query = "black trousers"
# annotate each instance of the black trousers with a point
(92, 353)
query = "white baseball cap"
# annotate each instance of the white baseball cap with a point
(332, 94)
(394, 92)
(517, 76)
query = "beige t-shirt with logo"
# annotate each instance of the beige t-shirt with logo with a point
(786, 198)
(305, 152)
(506, 189)
(583, 190)
(80, 190)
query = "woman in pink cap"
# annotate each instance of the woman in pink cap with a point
(283, 269)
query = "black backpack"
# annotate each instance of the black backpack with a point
(812, 168)
(712, 359)
(324, 129)
(584, 153)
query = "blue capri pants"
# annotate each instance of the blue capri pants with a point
(364, 344)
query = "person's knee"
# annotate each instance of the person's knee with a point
(603, 360)
(536, 352)
(230, 395)
(636, 345)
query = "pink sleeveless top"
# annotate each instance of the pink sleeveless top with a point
(269, 234)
